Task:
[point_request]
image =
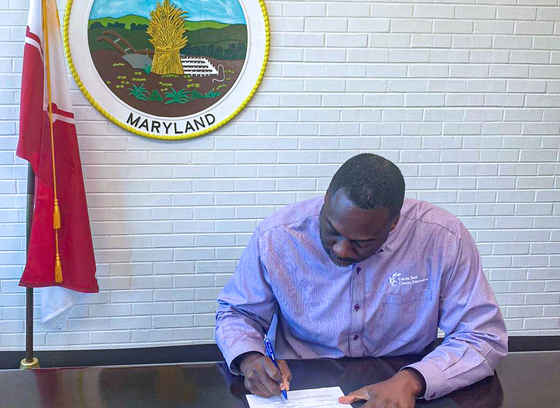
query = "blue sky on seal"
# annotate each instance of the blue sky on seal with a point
(224, 11)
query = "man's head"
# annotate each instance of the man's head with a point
(362, 207)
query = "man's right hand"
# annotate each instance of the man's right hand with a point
(262, 378)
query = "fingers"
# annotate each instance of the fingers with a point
(286, 374)
(378, 398)
(358, 395)
(263, 378)
(350, 399)
(258, 387)
(261, 385)
(272, 371)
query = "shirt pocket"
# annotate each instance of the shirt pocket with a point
(406, 317)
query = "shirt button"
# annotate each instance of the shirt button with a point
(356, 307)
(433, 395)
(358, 270)
(356, 337)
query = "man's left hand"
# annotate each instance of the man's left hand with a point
(398, 391)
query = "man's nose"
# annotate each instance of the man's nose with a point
(343, 249)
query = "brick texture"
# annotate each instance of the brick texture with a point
(463, 96)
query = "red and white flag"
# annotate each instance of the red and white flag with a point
(60, 253)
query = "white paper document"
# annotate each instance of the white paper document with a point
(312, 398)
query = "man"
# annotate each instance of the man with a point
(363, 272)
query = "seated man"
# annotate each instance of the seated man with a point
(363, 272)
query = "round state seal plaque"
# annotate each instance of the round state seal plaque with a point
(167, 69)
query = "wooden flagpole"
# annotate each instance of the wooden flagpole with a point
(29, 361)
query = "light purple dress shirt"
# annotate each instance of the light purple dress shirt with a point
(427, 274)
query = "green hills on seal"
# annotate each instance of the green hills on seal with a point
(210, 38)
(138, 20)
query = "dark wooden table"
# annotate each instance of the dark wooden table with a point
(524, 380)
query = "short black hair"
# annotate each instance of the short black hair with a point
(370, 182)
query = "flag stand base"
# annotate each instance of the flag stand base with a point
(29, 365)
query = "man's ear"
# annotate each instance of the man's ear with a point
(395, 221)
(327, 195)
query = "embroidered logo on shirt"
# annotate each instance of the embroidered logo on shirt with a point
(396, 279)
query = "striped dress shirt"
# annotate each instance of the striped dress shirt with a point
(426, 275)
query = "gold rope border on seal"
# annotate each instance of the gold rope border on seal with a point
(150, 135)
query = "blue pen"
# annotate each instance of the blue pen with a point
(270, 353)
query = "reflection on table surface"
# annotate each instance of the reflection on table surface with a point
(523, 380)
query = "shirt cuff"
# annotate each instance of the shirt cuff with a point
(435, 381)
(239, 349)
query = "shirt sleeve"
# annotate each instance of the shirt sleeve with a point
(475, 333)
(246, 306)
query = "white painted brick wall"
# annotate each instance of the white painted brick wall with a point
(464, 95)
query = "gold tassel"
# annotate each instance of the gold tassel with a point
(56, 215)
(58, 270)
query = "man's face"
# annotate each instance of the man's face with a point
(350, 234)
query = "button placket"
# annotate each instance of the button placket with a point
(357, 315)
